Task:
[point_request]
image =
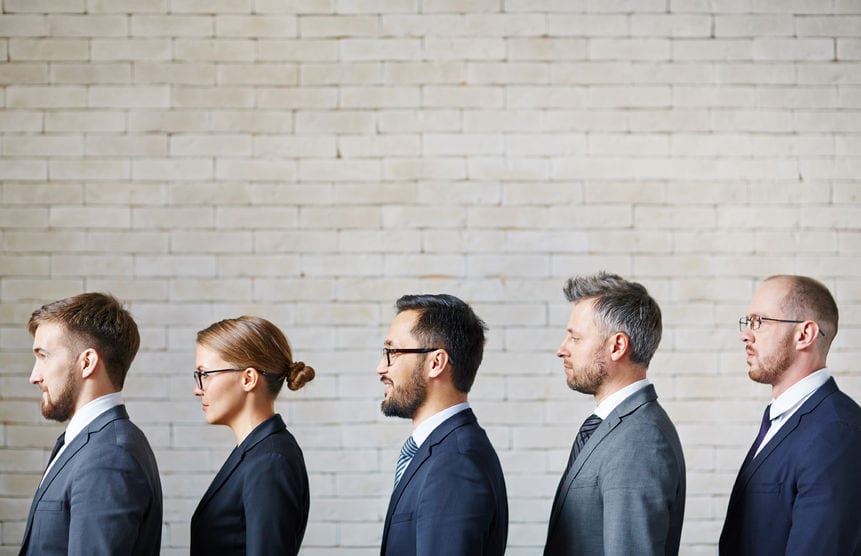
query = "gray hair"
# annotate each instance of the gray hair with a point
(621, 306)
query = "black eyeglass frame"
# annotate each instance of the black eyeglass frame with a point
(755, 322)
(388, 352)
(200, 375)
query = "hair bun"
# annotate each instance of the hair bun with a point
(298, 375)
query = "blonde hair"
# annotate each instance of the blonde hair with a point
(255, 342)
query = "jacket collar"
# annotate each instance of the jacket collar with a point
(270, 426)
(439, 434)
(628, 406)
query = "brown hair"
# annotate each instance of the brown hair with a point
(256, 342)
(98, 321)
(807, 298)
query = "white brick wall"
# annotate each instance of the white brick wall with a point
(310, 161)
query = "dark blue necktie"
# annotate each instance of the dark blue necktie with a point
(57, 445)
(763, 430)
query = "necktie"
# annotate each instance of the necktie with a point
(57, 445)
(763, 430)
(408, 450)
(586, 429)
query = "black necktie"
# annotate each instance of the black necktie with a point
(763, 430)
(57, 445)
(586, 429)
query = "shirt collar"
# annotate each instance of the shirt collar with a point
(89, 412)
(612, 401)
(798, 392)
(424, 430)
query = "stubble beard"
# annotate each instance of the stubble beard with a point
(405, 400)
(769, 370)
(590, 378)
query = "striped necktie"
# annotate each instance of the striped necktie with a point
(586, 429)
(408, 450)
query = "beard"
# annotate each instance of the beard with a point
(63, 406)
(589, 378)
(769, 369)
(405, 400)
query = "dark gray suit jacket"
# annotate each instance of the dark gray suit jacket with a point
(102, 496)
(625, 491)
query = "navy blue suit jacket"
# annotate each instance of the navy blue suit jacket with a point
(451, 499)
(258, 502)
(102, 496)
(802, 493)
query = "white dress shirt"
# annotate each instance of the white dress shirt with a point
(84, 417)
(424, 430)
(788, 403)
(612, 401)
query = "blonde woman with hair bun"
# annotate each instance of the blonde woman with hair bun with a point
(258, 502)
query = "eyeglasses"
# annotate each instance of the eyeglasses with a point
(391, 351)
(200, 375)
(755, 321)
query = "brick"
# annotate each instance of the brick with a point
(83, 121)
(754, 25)
(171, 169)
(339, 26)
(172, 26)
(171, 73)
(258, 74)
(210, 145)
(48, 49)
(43, 145)
(126, 6)
(255, 26)
(13, 121)
(379, 49)
(125, 145)
(92, 73)
(399, 121)
(298, 97)
(339, 171)
(378, 146)
(46, 97)
(256, 170)
(129, 97)
(335, 74)
(89, 169)
(111, 193)
(87, 26)
(259, 121)
(793, 49)
(23, 25)
(23, 74)
(223, 50)
(213, 97)
(204, 6)
(293, 50)
(294, 241)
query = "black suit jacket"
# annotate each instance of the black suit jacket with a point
(102, 496)
(451, 499)
(802, 493)
(258, 502)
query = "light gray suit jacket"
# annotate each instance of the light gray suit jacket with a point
(101, 497)
(625, 491)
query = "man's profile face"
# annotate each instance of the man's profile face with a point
(56, 371)
(769, 350)
(405, 380)
(583, 350)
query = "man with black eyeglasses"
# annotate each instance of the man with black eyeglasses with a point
(799, 489)
(449, 492)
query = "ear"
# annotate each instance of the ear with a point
(250, 378)
(620, 344)
(89, 361)
(806, 335)
(438, 363)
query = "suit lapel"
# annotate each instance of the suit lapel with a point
(75, 446)
(266, 428)
(438, 435)
(613, 420)
(807, 407)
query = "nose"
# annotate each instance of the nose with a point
(382, 366)
(561, 351)
(35, 376)
(198, 391)
(746, 335)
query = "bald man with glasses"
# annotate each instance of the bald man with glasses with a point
(798, 490)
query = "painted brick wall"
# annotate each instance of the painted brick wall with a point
(311, 160)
